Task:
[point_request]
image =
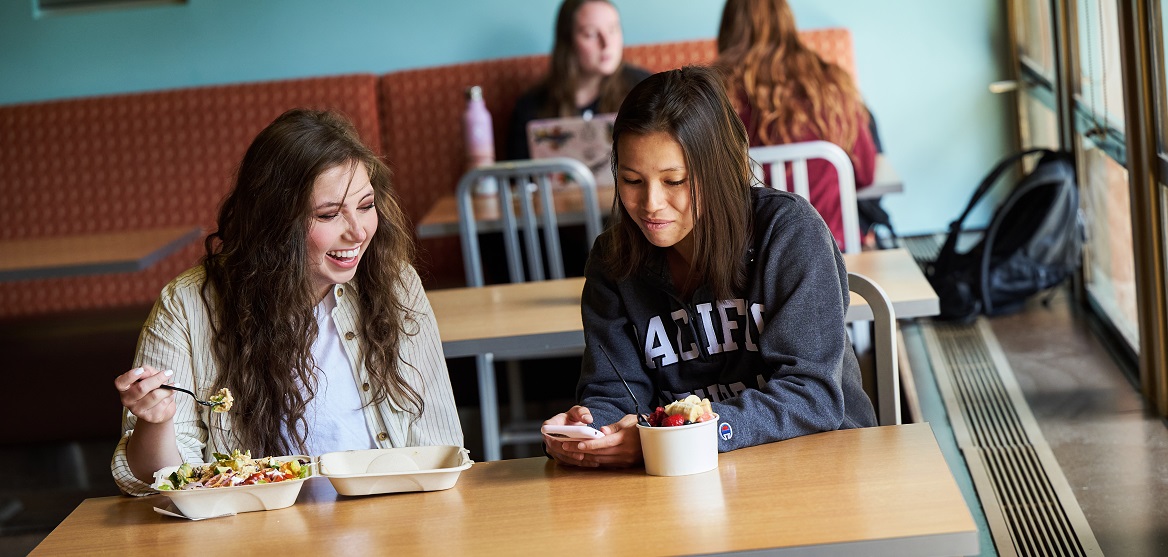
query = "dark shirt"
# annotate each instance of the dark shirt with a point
(529, 106)
(821, 176)
(775, 361)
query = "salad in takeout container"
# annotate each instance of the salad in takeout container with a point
(234, 483)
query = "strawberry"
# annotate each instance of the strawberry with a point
(674, 420)
(706, 417)
(656, 417)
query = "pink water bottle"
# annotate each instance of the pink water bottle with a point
(480, 138)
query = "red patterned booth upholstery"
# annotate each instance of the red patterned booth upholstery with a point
(135, 161)
(125, 162)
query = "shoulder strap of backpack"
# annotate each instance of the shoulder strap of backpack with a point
(1004, 209)
(987, 183)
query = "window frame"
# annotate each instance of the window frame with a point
(1142, 149)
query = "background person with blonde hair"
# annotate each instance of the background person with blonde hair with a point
(786, 93)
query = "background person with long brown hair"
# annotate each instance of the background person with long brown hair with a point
(305, 306)
(705, 285)
(786, 93)
(586, 72)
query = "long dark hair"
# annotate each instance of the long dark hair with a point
(258, 289)
(564, 72)
(691, 106)
(791, 90)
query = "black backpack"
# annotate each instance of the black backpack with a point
(1033, 242)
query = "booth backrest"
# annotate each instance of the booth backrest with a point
(422, 121)
(136, 161)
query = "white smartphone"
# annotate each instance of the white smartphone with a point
(573, 432)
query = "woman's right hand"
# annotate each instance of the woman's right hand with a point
(140, 394)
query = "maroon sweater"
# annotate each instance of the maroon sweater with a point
(824, 184)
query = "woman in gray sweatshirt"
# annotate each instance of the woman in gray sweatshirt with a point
(706, 285)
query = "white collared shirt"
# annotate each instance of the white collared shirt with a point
(335, 421)
(177, 336)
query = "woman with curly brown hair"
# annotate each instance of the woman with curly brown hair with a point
(586, 74)
(305, 308)
(786, 93)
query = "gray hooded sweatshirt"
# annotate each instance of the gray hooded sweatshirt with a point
(775, 361)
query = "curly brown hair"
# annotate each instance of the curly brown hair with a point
(564, 72)
(258, 288)
(791, 90)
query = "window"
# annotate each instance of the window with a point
(1038, 119)
(1157, 39)
(1036, 38)
(1108, 259)
(1079, 62)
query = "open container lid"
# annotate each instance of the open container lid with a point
(396, 470)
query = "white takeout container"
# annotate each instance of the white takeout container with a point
(680, 450)
(218, 501)
(397, 470)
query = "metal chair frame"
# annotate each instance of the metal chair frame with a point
(516, 178)
(776, 157)
(887, 364)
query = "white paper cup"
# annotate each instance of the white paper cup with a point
(680, 450)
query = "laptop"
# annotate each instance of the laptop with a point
(586, 139)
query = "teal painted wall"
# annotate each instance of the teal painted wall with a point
(924, 65)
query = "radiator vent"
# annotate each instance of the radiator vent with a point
(1028, 504)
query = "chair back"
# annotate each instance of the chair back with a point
(887, 367)
(777, 157)
(533, 184)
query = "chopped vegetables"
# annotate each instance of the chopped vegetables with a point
(222, 400)
(235, 469)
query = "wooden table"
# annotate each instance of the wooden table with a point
(898, 274)
(90, 254)
(884, 181)
(874, 491)
(442, 218)
(531, 318)
(535, 319)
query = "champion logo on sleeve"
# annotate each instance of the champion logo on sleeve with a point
(725, 431)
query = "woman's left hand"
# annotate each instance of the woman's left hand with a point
(620, 446)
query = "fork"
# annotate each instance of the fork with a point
(182, 390)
